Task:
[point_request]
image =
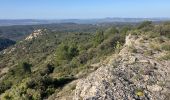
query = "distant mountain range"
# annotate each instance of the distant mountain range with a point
(9, 22)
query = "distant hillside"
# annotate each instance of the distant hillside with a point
(9, 22)
(19, 32)
(4, 43)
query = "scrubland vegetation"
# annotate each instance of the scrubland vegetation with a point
(40, 67)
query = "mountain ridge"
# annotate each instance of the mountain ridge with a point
(10, 22)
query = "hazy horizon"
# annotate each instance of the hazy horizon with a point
(89, 18)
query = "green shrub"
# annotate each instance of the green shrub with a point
(47, 70)
(98, 38)
(139, 92)
(66, 52)
(111, 43)
(110, 31)
(83, 58)
(63, 80)
(166, 47)
(152, 34)
(21, 69)
(125, 29)
(5, 86)
(26, 67)
(165, 30)
(145, 24)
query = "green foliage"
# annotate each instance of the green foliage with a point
(37, 88)
(65, 52)
(47, 70)
(4, 43)
(110, 44)
(166, 47)
(72, 51)
(139, 93)
(145, 24)
(118, 46)
(5, 86)
(86, 52)
(110, 31)
(164, 29)
(22, 68)
(36, 81)
(125, 29)
(63, 80)
(152, 34)
(15, 75)
(46, 85)
(26, 67)
(98, 38)
(61, 53)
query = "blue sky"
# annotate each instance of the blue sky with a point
(82, 9)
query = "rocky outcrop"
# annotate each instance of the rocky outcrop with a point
(133, 74)
(35, 34)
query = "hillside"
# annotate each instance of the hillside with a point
(4, 43)
(88, 62)
(138, 72)
(19, 32)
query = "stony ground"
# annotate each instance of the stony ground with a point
(136, 73)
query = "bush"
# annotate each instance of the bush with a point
(65, 52)
(22, 68)
(26, 67)
(165, 30)
(98, 38)
(46, 85)
(145, 24)
(31, 84)
(125, 29)
(111, 43)
(63, 80)
(83, 58)
(110, 31)
(62, 52)
(5, 86)
(166, 47)
(47, 70)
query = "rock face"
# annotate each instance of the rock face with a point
(131, 75)
(35, 34)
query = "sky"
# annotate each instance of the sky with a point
(83, 9)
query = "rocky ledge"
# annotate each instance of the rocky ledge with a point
(35, 34)
(136, 73)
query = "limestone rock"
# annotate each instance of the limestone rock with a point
(35, 34)
(154, 88)
(127, 77)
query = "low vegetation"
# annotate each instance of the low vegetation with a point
(41, 66)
